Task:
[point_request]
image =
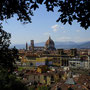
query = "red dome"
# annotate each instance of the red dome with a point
(49, 42)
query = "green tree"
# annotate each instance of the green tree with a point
(70, 88)
(8, 80)
(7, 56)
(43, 88)
(69, 10)
(31, 88)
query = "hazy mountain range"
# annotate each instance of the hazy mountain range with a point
(64, 45)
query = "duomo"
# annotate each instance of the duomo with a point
(49, 45)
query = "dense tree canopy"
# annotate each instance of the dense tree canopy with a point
(69, 10)
(10, 82)
(7, 56)
(4, 39)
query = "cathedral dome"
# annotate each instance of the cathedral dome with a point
(49, 41)
(50, 44)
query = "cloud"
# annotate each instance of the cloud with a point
(55, 28)
(78, 30)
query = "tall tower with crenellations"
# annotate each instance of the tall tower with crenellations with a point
(32, 45)
(27, 46)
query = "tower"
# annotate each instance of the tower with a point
(32, 45)
(26, 46)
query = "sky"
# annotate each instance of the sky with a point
(44, 25)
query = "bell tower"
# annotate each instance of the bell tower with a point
(32, 45)
(26, 46)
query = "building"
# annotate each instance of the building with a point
(42, 69)
(50, 45)
(33, 48)
(83, 62)
(27, 48)
(46, 78)
(30, 61)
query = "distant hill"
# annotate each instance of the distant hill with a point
(85, 45)
(69, 45)
(18, 46)
(64, 45)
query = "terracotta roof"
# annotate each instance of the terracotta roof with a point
(49, 41)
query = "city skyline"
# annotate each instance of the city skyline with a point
(44, 25)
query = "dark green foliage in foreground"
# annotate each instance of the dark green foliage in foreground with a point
(31, 88)
(8, 80)
(43, 88)
(70, 88)
(7, 56)
(69, 10)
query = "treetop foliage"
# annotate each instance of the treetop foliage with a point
(69, 10)
(4, 39)
(10, 81)
(7, 56)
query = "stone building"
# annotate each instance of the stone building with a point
(83, 63)
(32, 47)
(49, 45)
(27, 48)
